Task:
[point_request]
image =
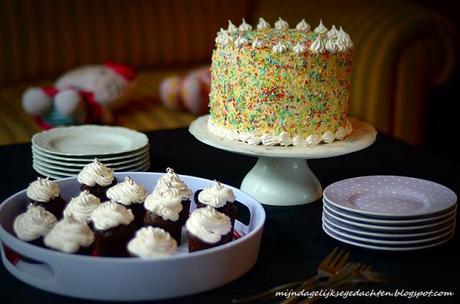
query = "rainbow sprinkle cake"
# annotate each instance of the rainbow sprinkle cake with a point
(281, 86)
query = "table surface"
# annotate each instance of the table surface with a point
(293, 242)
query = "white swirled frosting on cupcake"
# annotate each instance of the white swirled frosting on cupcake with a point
(172, 180)
(151, 242)
(109, 215)
(42, 190)
(96, 173)
(217, 195)
(82, 206)
(33, 223)
(127, 193)
(68, 235)
(208, 224)
(165, 201)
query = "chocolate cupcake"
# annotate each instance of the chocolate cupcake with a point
(97, 179)
(82, 206)
(172, 181)
(131, 195)
(113, 226)
(70, 235)
(46, 193)
(152, 243)
(208, 228)
(34, 224)
(163, 208)
(219, 197)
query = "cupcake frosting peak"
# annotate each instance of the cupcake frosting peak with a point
(43, 190)
(151, 242)
(127, 193)
(96, 173)
(33, 223)
(82, 206)
(69, 234)
(109, 215)
(165, 201)
(208, 224)
(172, 180)
(217, 195)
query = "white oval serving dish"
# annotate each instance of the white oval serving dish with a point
(130, 279)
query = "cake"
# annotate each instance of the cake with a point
(163, 209)
(112, 224)
(208, 228)
(131, 195)
(152, 243)
(97, 178)
(34, 224)
(46, 193)
(82, 206)
(280, 85)
(172, 181)
(219, 197)
(70, 235)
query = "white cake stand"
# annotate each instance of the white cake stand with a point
(281, 176)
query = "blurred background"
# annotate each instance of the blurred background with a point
(405, 72)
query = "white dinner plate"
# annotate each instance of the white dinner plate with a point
(395, 229)
(81, 164)
(385, 248)
(86, 158)
(71, 170)
(390, 196)
(57, 175)
(368, 234)
(88, 140)
(370, 220)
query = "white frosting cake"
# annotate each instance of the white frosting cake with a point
(95, 173)
(127, 193)
(217, 195)
(68, 235)
(43, 190)
(33, 223)
(82, 206)
(165, 201)
(151, 242)
(109, 215)
(208, 224)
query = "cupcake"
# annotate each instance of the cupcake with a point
(82, 206)
(131, 195)
(112, 224)
(96, 178)
(163, 209)
(34, 224)
(219, 197)
(208, 228)
(70, 235)
(152, 243)
(46, 193)
(172, 180)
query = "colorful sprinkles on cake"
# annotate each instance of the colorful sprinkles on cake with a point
(276, 82)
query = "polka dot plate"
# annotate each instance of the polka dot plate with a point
(390, 196)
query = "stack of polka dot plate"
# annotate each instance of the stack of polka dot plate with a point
(391, 213)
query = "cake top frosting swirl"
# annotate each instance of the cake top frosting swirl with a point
(208, 224)
(42, 190)
(165, 201)
(68, 235)
(216, 195)
(127, 193)
(109, 215)
(96, 173)
(172, 180)
(150, 242)
(82, 206)
(33, 223)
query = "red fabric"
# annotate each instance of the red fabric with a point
(93, 109)
(50, 91)
(123, 70)
(42, 123)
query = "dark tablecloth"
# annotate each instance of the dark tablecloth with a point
(293, 242)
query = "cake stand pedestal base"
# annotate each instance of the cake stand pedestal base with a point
(281, 175)
(282, 181)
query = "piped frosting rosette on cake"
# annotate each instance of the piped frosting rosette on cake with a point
(33, 224)
(46, 193)
(208, 228)
(152, 243)
(97, 178)
(280, 85)
(71, 236)
(82, 206)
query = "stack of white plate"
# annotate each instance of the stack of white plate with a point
(63, 152)
(391, 213)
